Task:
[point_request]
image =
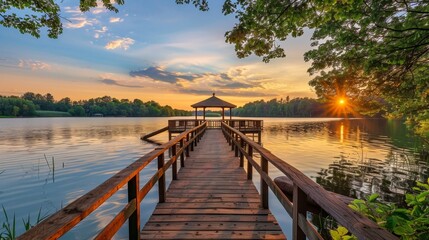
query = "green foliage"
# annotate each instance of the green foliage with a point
(8, 227)
(14, 106)
(411, 223)
(30, 16)
(298, 107)
(341, 233)
(46, 106)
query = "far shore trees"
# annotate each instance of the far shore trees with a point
(30, 104)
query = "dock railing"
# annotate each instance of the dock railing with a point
(303, 188)
(62, 221)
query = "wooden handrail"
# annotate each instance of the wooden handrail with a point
(62, 221)
(304, 187)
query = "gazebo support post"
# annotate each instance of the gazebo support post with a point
(223, 113)
(230, 113)
(204, 113)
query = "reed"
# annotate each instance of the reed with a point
(8, 227)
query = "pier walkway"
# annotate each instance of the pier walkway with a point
(212, 199)
(211, 196)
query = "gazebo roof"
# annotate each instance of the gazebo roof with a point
(213, 101)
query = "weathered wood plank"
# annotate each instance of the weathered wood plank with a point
(212, 235)
(207, 205)
(214, 199)
(212, 218)
(214, 195)
(212, 226)
(225, 211)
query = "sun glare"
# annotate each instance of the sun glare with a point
(341, 101)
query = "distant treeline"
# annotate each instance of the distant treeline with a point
(30, 103)
(297, 107)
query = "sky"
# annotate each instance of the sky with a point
(150, 50)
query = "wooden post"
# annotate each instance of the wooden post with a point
(232, 142)
(192, 141)
(134, 219)
(264, 185)
(223, 113)
(196, 112)
(161, 181)
(230, 113)
(174, 169)
(249, 165)
(236, 147)
(182, 155)
(241, 154)
(299, 207)
(196, 137)
(187, 147)
(204, 113)
(259, 137)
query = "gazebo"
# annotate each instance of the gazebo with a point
(213, 102)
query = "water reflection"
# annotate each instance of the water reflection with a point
(352, 157)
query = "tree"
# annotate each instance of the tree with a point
(30, 16)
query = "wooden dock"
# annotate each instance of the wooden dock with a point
(212, 199)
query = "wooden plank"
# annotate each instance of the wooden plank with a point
(212, 226)
(214, 195)
(214, 199)
(225, 211)
(212, 235)
(197, 191)
(212, 218)
(203, 205)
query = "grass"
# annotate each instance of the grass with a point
(52, 114)
(8, 227)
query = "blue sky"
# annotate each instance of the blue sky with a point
(151, 50)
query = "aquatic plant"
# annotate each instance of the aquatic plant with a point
(8, 227)
(409, 223)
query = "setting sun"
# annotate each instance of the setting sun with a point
(341, 101)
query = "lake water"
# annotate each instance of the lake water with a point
(46, 163)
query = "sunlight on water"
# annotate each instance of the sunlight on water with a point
(46, 163)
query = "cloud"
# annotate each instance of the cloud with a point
(123, 43)
(34, 65)
(158, 74)
(74, 11)
(98, 33)
(234, 82)
(80, 22)
(227, 93)
(234, 85)
(115, 20)
(102, 30)
(117, 83)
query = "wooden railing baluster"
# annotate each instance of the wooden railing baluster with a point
(134, 219)
(264, 186)
(187, 146)
(174, 169)
(182, 154)
(241, 153)
(161, 181)
(192, 141)
(249, 165)
(299, 207)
